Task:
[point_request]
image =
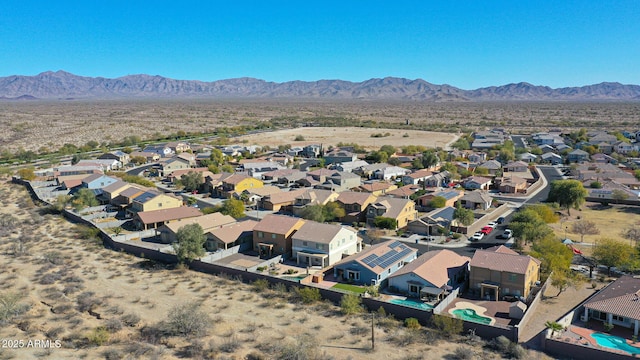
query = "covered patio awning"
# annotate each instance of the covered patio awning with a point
(431, 291)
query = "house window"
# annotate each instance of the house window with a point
(414, 289)
(513, 277)
(159, 204)
(304, 243)
(618, 318)
(260, 234)
(273, 236)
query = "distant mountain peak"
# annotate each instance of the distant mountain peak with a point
(63, 85)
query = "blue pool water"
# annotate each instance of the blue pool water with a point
(614, 342)
(411, 303)
(294, 278)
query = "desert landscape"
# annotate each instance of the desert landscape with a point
(43, 126)
(60, 283)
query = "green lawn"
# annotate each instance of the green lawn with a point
(353, 288)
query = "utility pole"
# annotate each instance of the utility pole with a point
(373, 338)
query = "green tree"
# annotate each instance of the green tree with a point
(564, 279)
(191, 181)
(138, 160)
(385, 223)
(377, 157)
(529, 226)
(27, 173)
(84, 198)
(233, 208)
(463, 216)
(438, 202)
(554, 327)
(554, 255)
(546, 213)
(351, 304)
(568, 193)
(429, 159)
(389, 149)
(613, 253)
(313, 212)
(333, 211)
(448, 326)
(190, 243)
(217, 157)
(619, 195)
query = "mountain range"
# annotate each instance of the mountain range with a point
(64, 85)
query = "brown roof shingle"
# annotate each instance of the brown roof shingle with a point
(620, 297)
(156, 216)
(433, 266)
(231, 232)
(502, 259)
(277, 224)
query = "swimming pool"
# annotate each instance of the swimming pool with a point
(294, 278)
(614, 342)
(471, 315)
(411, 303)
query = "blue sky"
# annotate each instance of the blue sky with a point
(468, 44)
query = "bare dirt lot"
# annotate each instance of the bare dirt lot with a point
(47, 125)
(103, 304)
(362, 136)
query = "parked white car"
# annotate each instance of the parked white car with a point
(477, 236)
(507, 234)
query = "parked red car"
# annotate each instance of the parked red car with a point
(486, 230)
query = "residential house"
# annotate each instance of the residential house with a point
(450, 196)
(317, 244)
(624, 148)
(367, 171)
(178, 147)
(441, 179)
(98, 181)
(417, 177)
(280, 158)
(124, 197)
(104, 164)
(374, 264)
(528, 157)
(70, 182)
(476, 200)
(487, 139)
(312, 197)
(432, 275)
(236, 184)
(68, 170)
(153, 200)
(377, 188)
(515, 166)
(350, 166)
(434, 223)
(148, 155)
(207, 222)
(281, 201)
(616, 304)
(340, 181)
(177, 174)
(603, 159)
(258, 168)
(227, 236)
(118, 155)
(605, 148)
(255, 195)
(162, 150)
(401, 210)
(272, 235)
(311, 151)
(404, 192)
(145, 220)
(390, 173)
(189, 157)
(598, 137)
(562, 147)
(492, 166)
(338, 155)
(167, 166)
(355, 204)
(477, 183)
(578, 156)
(476, 157)
(283, 176)
(500, 271)
(112, 191)
(547, 149)
(511, 184)
(552, 158)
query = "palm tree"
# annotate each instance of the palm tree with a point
(554, 326)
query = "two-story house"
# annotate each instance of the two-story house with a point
(272, 235)
(354, 204)
(500, 271)
(236, 184)
(153, 200)
(317, 244)
(401, 210)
